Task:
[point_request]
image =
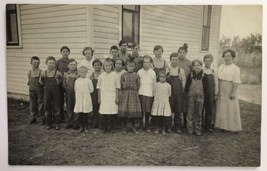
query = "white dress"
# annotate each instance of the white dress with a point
(161, 105)
(83, 87)
(88, 65)
(107, 84)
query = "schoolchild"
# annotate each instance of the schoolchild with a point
(51, 79)
(195, 95)
(129, 106)
(108, 86)
(159, 63)
(210, 92)
(62, 67)
(88, 53)
(147, 83)
(68, 84)
(161, 109)
(83, 105)
(96, 120)
(177, 79)
(36, 91)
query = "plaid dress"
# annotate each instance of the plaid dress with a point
(129, 105)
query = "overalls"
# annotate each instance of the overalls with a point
(70, 100)
(195, 106)
(209, 99)
(176, 100)
(36, 92)
(52, 99)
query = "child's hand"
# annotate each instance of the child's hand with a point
(232, 96)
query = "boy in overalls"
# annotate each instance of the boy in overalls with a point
(51, 79)
(36, 91)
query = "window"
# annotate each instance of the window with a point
(206, 27)
(12, 25)
(131, 23)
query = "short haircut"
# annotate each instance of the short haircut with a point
(114, 47)
(157, 47)
(50, 58)
(64, 47)
(134, 45)
(184, 47)
(97, 61)
(88, 48)
(35, 58)
(197, 61)
(230, 51)
(208, 56)
(122, 42)
(130, 61)
(174, 54)
(72, 60)
(148, 57)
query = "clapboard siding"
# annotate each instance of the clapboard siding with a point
(45, 29)
(106, 28)
(182, 24)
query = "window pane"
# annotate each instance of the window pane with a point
(130, 7)
(205, 15)
(136, 28)
(10, 7)
(205, 38)
(127, 26)
(14, 28)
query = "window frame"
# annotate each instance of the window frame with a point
(133, 12)
(206, 27)
(19, 45)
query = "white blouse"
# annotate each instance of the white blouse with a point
(147, 82)
(229, 73)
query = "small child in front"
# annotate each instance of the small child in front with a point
(83, 106)
(161, 109)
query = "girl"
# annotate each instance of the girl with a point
(130, 107)
(119, 70)
(83, 106)
(36, 91)
(62, 67)
(108, 86)
(147, 82)
(88, 53)
(177, 81)
(227, 109)
(68, 83)
(161, 109)
(160, 64)
(51, 79)
(97, 64)
(210, 91)
(186, 65)
(195, 95)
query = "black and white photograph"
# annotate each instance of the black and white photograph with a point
(133, 84)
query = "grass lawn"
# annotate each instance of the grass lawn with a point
(33, 145)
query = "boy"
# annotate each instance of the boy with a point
(36, 91)
(136, 57)
(124, 55)
(51, 79)
(114, 52)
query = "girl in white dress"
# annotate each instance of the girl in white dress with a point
(161, 109)
(108, 86)
(83, 88)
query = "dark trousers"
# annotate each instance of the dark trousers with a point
(209, 105)
(108, 122)
(52, 104)
(62, 101)
(37, 102)
(83, 121)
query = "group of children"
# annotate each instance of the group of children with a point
(125, 88)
